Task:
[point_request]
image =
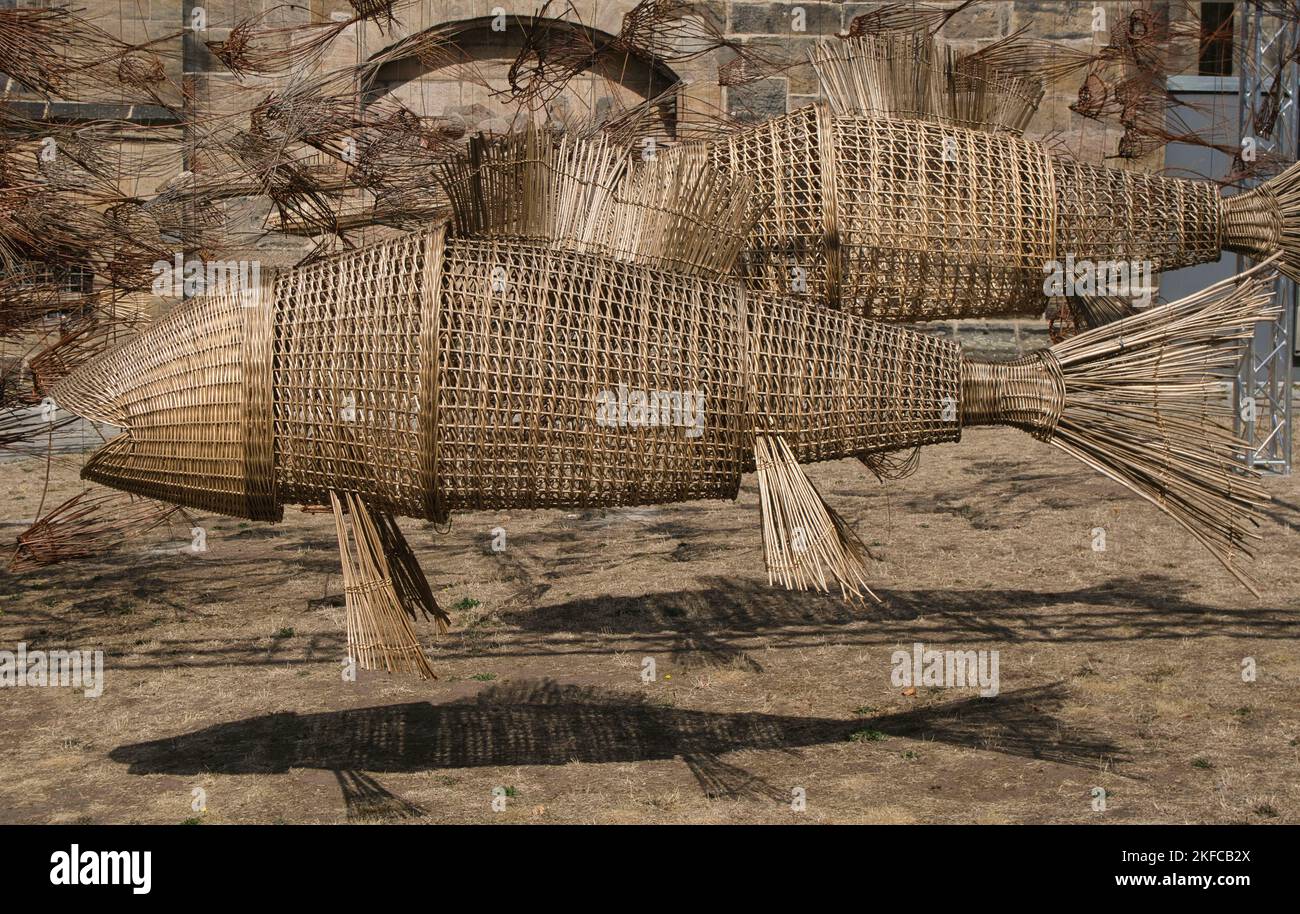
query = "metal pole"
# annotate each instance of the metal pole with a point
(1262, 389)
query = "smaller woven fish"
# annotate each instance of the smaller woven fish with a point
(910, 195)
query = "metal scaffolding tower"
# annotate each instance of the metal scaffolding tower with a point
(1264, 43)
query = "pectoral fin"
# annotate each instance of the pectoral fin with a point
(805, 543)
(384, 589)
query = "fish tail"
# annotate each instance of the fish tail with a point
(1142, 401)
(1265, 220)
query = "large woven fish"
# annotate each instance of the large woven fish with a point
(572, 340)
(910, 195)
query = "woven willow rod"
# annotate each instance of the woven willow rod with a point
(677, 212)
(910, 195)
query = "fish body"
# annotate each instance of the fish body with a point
(431, 374)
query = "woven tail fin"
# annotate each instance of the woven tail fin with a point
(384, 589)
(1141, 401)
(805, 543)
(1265, 221)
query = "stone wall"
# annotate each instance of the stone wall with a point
(773, 32)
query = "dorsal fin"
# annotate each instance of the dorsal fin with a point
(532, 185)
(911, 75)
(586, 194)
(677, 210)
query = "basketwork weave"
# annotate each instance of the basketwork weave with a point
(427, 374)
(918, 220)
(521, 346)
(195, 392)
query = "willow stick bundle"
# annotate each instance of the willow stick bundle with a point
(380, 633)
(531, 185)
(50, 50)
(676, 212)
(909, 75)
(1020, 55)
(1142, 400)
(1170, 359)
(804, 539)
(87, 524)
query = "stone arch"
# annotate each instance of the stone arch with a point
(424, 86)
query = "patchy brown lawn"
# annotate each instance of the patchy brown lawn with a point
(1119, 669)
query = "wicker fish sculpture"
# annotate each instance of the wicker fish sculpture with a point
(910, 195)
(575, 337)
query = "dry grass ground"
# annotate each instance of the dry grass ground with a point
(1119, 669)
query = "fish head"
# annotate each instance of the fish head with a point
(192, 395)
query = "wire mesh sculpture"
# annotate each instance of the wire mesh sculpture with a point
(533, 354)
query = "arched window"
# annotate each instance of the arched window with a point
(461, 71)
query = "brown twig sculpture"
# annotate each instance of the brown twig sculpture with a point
(537, 354)
(910, 195)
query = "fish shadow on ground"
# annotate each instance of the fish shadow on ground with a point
(541, 722)
(1122, 609)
